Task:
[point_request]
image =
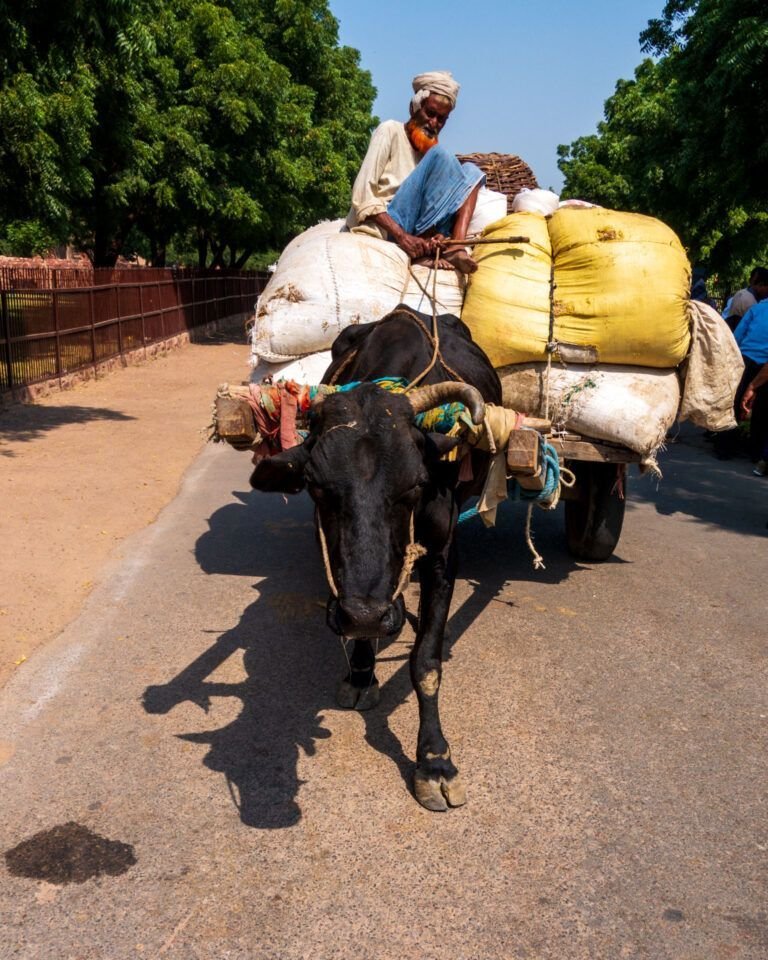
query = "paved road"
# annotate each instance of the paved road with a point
(609, 720)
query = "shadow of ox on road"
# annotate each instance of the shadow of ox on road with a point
(293, 661)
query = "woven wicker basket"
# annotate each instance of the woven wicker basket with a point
(504, 172)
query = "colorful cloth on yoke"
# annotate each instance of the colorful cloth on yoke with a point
(449, 418)
(277, 409)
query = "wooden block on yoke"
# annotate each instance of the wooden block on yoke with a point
(537, 423)
(523, 453)
(536, 482)
(234, 420)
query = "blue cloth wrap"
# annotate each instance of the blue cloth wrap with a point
(432, 194)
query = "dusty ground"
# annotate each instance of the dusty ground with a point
(82, 469)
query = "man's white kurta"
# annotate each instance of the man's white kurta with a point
(389, 160)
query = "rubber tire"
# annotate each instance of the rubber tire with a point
(594, 520)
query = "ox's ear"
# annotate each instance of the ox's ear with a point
(438, 445)
(283, 473)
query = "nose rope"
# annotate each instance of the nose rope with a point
(326, 560)
(412, 553)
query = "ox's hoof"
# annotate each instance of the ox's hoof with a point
(440, 793)
(357, 698)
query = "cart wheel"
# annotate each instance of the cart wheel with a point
(594, 519)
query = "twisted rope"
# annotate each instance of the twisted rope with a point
(555, 478)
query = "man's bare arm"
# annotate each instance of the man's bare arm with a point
(749, 394)
(415, 247)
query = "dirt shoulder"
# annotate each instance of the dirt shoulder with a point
(83, 469)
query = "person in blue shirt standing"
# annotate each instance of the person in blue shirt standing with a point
(751, 335)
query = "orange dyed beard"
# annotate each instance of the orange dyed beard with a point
(420, 141)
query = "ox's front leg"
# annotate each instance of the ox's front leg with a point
(437, 784)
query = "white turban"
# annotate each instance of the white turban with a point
(440, 82)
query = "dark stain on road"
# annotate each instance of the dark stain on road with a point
(674, 916)
(69, 853)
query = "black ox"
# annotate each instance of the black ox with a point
(378, 485)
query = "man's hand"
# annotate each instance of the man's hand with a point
(437, 241)
(747, 400)
(415, 247)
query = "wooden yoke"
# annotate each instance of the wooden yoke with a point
(524, 460)
(234, 421)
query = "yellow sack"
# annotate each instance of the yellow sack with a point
(507, 302)
(621, 290)
(622, 282)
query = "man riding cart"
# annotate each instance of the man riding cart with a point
(412, 191)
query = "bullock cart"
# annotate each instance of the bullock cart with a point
(593, 505)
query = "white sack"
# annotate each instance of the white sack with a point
(448, 291)
(490, 207)
(325, 280)
(631, 406)
(712, 371)
(535, 201)
(309, 369)
(580, 204)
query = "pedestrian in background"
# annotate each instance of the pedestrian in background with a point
(699, 288)
(747, 405)
(745, 299)
(751, 335)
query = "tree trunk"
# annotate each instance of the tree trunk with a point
(106, 248)
(218, 255)
(158, 247)
(243, 258)
(202, 248)
(109, 241)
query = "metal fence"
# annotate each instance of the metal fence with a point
(55, 321)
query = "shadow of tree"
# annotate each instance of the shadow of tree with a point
(228, 333)
(26, 422)
(293, 662)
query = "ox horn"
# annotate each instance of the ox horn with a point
(450, 391)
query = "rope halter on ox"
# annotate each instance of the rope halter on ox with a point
(413, 552)
(421, 400)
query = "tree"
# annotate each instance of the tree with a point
(683, 140)
(238, 122)
(284, 113)
(627, 163)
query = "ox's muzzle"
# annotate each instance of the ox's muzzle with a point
(358, 617)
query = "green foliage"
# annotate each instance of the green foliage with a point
(26, 238)
(684, 140)
(235, 123)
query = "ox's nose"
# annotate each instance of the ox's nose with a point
(365, 617)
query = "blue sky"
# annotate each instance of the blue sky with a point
(533, 74)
